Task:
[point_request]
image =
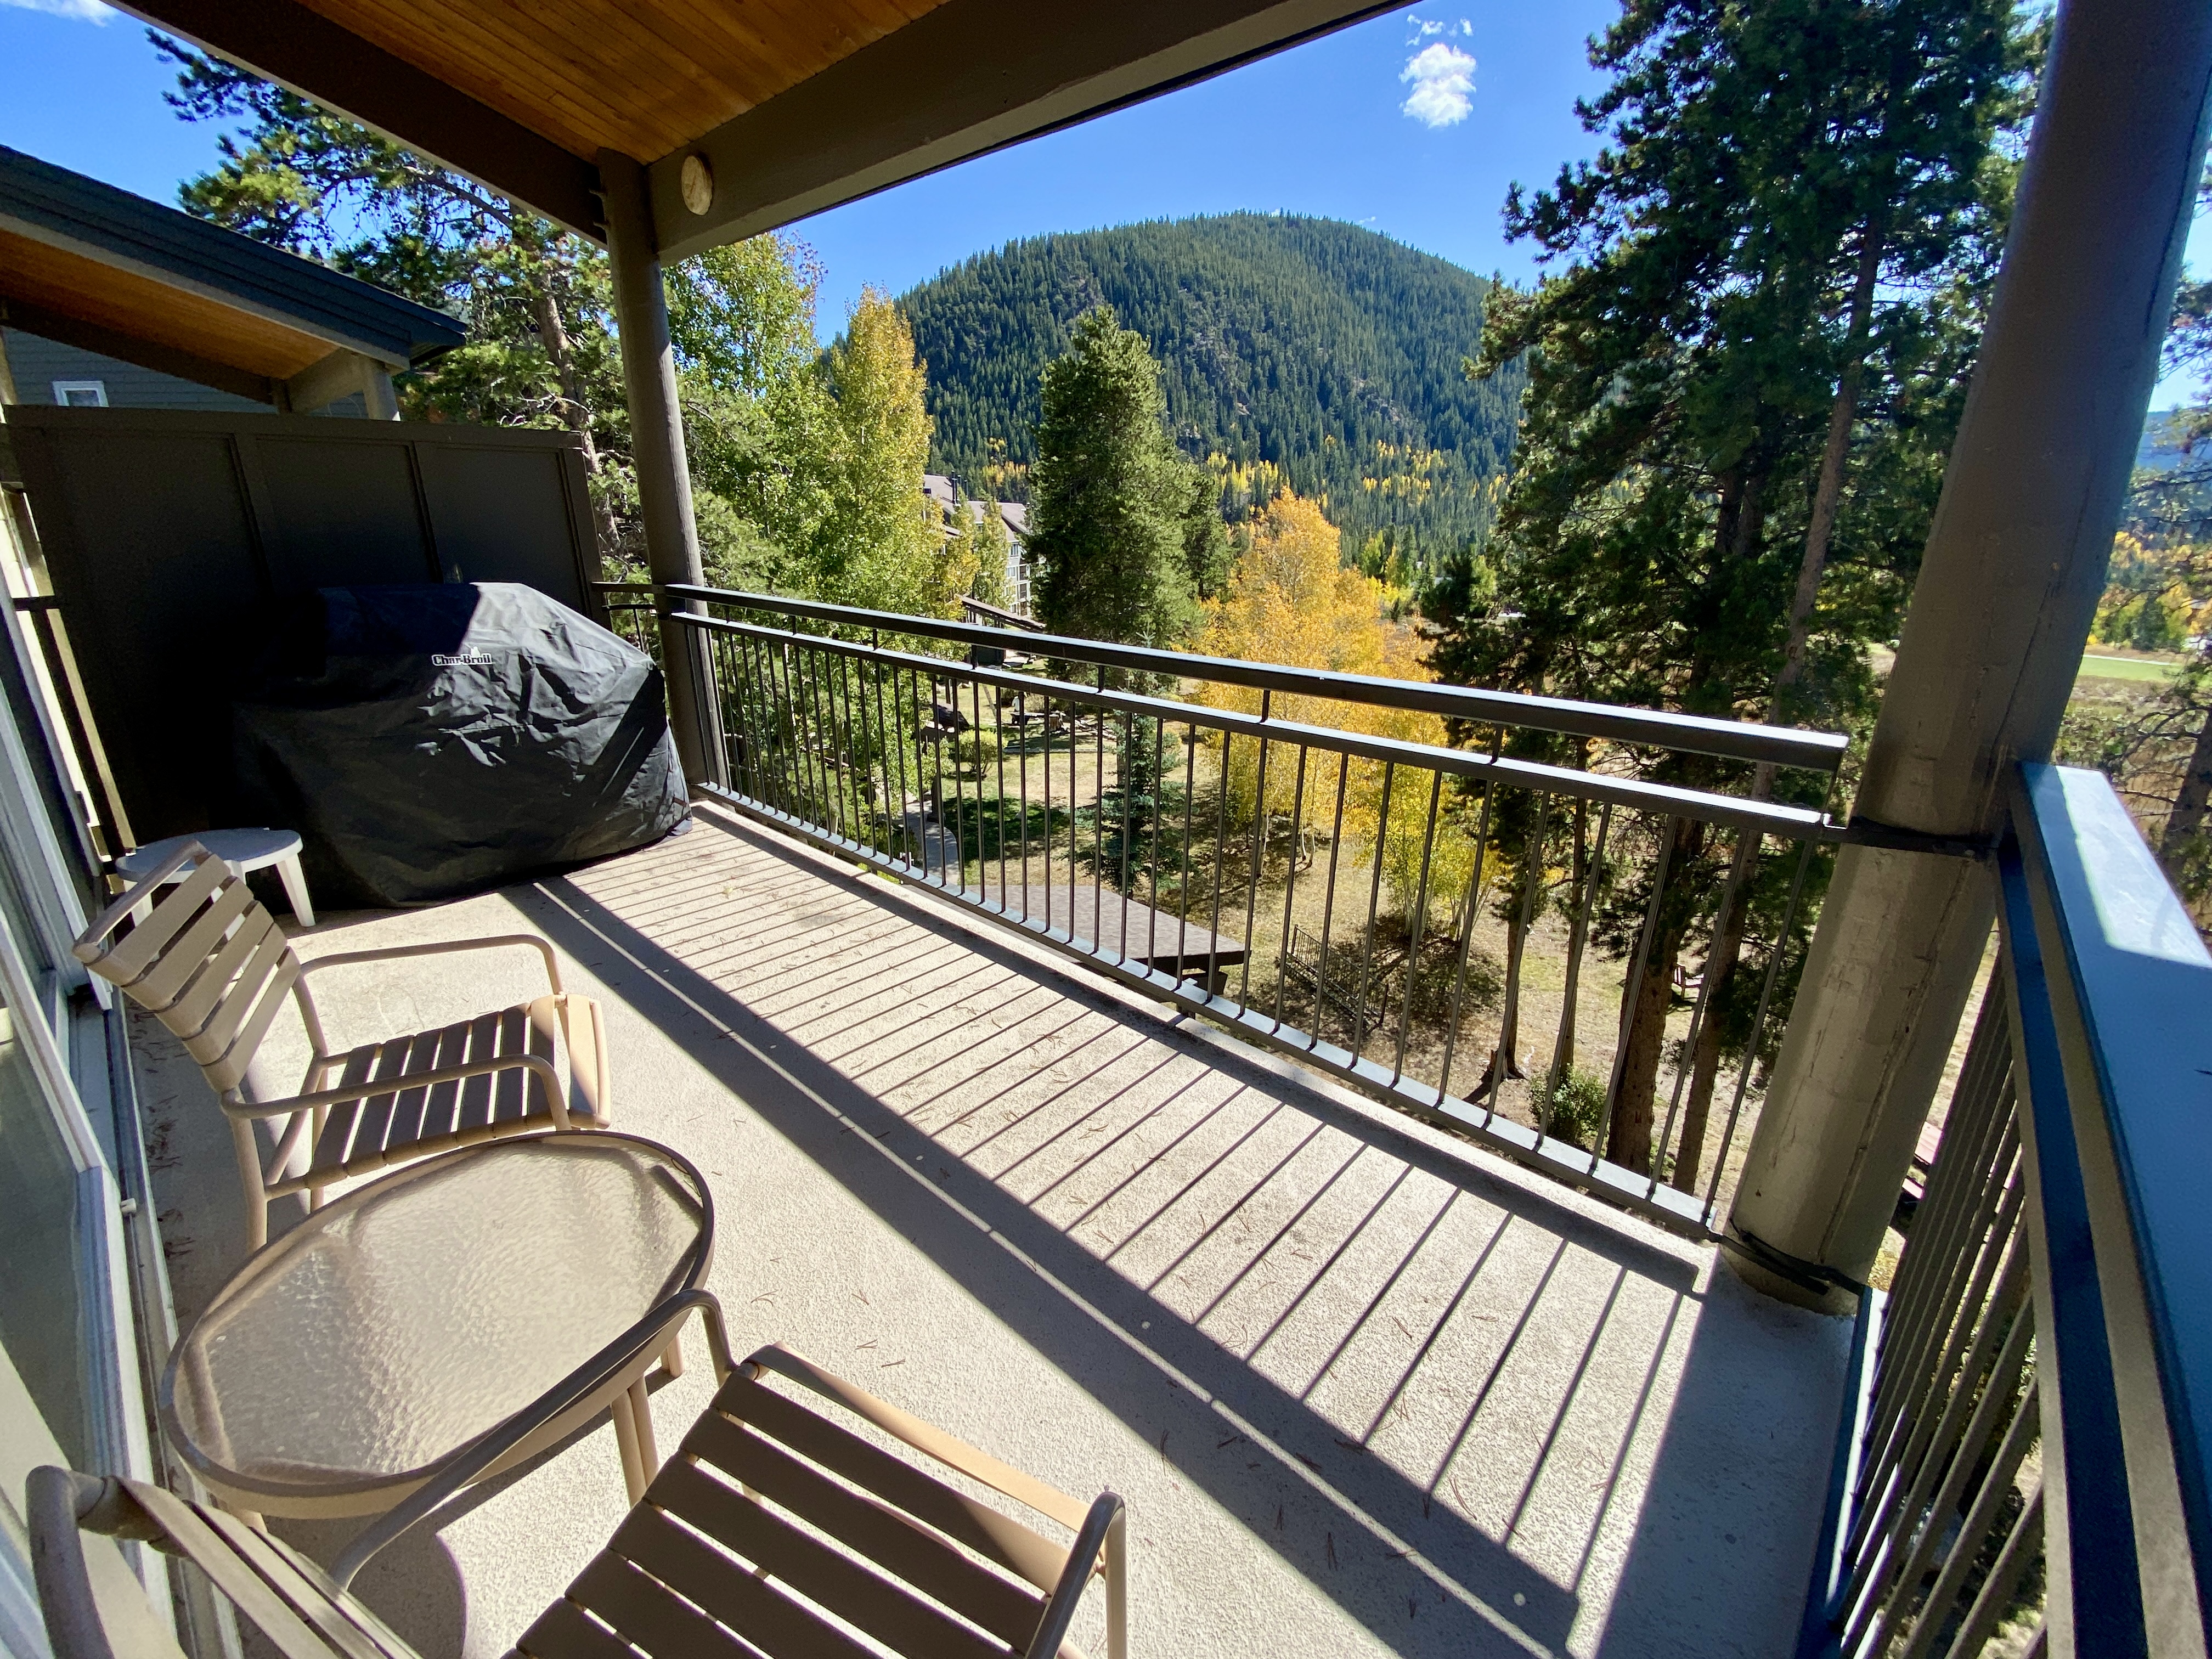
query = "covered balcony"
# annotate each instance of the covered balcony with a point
(1157, 1071)
(1365, 1388)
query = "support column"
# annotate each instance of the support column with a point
(378, 399)
(339, 375)
(664, 472)
(2014, 566)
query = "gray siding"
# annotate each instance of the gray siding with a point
(37, 363)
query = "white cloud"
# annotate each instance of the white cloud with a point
(85, 11)
(1443, 79)
(1427, 29)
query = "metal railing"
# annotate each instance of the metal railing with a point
(2024, 1455)
(1568, 932)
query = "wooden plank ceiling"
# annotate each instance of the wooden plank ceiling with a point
(645, 77)
(140, 307)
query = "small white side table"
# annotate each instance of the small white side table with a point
(242, 850)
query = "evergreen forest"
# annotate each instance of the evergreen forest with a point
(1297, 352)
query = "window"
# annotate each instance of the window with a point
(81, 394)
(42, 1319)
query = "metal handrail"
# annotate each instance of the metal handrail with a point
(2114, 986)
(1789, 746)
(929, 767)
(1798, 822)
(2055, 1287)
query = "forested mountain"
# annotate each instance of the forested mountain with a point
(1323, 350)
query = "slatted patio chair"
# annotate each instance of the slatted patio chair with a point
(209, 962)
(776, 1529)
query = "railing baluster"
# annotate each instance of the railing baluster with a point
(1758, 1026)
(1291, 883)
(1706, 976)
(1570, 991)
(1021, 724)
(1258, 856)
(829, 674)
(999, 750)
(1048, 883)
(1473, 903)
(1376, 854)
(1098, 824)
(1190, 805)
(794, 751)
(805, 711)
(832, 670)
(1328, 899)
(1413, 930)
(791, 662)
(1159, 803)
(1121, 822)
(1502, 1058)
(1220, 851)
(1632, 988)
(768, 751)
(887, 757)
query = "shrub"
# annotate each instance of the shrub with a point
(1574, 1109)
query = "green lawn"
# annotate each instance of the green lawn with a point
(2095, 667)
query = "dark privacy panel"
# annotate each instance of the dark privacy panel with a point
(167, 534)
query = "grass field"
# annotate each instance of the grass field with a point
(2124, 668)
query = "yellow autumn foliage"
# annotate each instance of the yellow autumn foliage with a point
(1291, 600)
(2155, 598)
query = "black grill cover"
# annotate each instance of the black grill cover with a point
(431, 741)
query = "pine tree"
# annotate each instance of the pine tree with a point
(1742, 387)
(806, 467)
(1109, 495)
(1325, 352)
(542, 349)
(1207, 554)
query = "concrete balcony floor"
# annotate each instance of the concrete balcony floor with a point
(1364, 1389)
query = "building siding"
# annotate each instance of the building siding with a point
(36, 364)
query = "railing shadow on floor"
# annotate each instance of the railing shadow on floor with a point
(1110, 1324)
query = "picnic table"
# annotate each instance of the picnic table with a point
(1102, 918)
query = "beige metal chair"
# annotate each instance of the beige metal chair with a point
(210, 963)
(775, 1529)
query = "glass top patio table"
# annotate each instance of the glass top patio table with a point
(403, 1320)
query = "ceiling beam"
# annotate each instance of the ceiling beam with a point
(283, 41)
(968, 76)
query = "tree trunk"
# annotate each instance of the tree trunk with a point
(1629, 1141)
(1706, 1060)
(1563, 1050)
(1721, 961)
(2186, 820)
(1828, 490)
(575, 413)
(1508, 1060)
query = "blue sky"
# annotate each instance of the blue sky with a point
(1388, 125)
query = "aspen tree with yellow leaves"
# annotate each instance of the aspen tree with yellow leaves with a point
(1291, 600)
(876, 546)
